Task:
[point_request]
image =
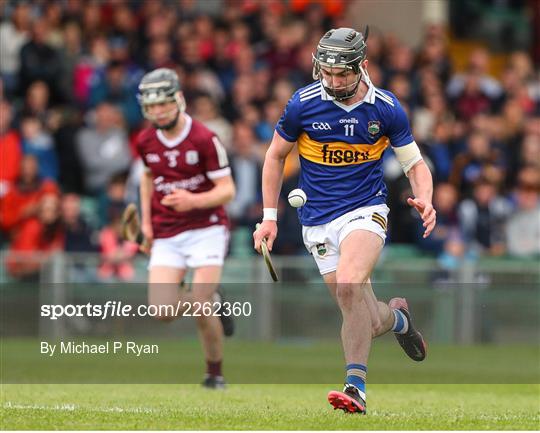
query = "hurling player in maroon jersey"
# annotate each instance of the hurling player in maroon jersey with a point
(186, 182)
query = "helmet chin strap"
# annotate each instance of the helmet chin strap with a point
(364, 75)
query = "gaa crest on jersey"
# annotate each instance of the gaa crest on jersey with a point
(192, 157)
(321, 250)
(374, 127)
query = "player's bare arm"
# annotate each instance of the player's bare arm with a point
(182, 200)
(145, 190)
(422, 186)
(272, 179)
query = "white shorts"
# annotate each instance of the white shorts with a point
(191, 249)
(323, 241)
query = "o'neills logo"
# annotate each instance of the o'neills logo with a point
(168, 187)
(337, 156)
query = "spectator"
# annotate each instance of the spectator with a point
(40, 61)
(37, 101)
(120, 53)
(445, 241)
(522, 151)
(400, 61)
(482, 218)
(427, 116)
(221, 62)
(244, 59)
(14, 34)
(22, 200)
(530, 152)
(438, 150)
(468, 166)
(70, 167)
(10, 148)
(477, 73)
(158, 23)
(204, 28)
(400, 86)
(113, 196)
(90, 68)
(242, 95)
(160, 54)
(472, 100)
(115, 87)
(302, 75)
(103, 148)
(434, 53)
(91, 18)
(246, 169)
(205, 110)
(53, 16)
(124, 28)
(38, 142)
(36, 239)
(282, 91)
(116, 254)
(78, 234)
(283, 55)
(522, 229)
(70, 56)
(265, 128)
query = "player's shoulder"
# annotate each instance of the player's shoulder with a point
(145, 135)
(199, 133)
(200, 130)
(312, 91)
(385, 98)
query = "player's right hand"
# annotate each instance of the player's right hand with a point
(265, 230)
(148, 233)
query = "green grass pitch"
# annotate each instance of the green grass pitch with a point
(283, 405)
(261, 407)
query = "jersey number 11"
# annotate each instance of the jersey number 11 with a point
(349, 130)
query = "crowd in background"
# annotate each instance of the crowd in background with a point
(69, 117)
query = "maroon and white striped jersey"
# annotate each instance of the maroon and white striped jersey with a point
(191, 161)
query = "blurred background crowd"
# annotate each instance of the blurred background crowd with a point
(69, 116)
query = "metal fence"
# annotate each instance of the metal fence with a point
(496, 300)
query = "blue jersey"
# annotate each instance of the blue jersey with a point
(341, 148)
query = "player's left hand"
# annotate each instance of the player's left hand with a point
(180, 200)
(427, 212)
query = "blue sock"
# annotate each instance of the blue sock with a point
(401, 325)
(356, 375)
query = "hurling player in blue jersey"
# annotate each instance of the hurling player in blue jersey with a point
(342, 124)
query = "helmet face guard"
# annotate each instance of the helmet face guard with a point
(339, 50)
(158, 87)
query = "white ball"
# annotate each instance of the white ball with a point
(297, 198)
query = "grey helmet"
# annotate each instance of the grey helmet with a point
(157, 87)
(341, 48)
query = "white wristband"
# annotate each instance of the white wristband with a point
(269, 214)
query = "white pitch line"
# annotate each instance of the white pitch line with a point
(72, 407)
